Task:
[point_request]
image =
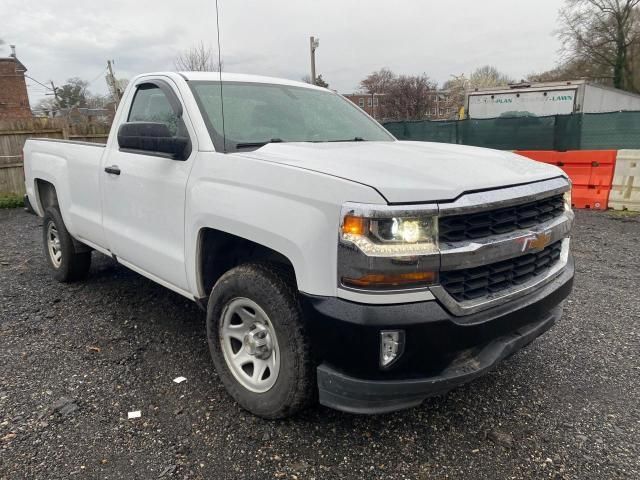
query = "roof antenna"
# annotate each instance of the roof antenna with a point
(224, 136)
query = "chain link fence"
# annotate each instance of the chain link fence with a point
(589, 131)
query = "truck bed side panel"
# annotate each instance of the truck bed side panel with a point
(74, 170)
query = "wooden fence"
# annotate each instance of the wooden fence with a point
(14, 133)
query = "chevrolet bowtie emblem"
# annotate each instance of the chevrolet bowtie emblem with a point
(536, 241)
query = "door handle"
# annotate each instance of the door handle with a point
(113, 170)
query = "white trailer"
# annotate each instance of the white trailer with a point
(550, 98)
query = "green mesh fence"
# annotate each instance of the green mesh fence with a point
(590, 131)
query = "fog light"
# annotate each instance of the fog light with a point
(391, 346)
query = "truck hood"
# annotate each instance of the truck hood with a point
(407, 172)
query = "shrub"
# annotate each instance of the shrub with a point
(11, 201)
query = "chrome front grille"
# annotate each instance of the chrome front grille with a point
(491, 244)
(487, 280)
(500, 221)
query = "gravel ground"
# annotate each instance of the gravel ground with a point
(74, 359)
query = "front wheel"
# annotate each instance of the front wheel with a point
(64, 261)
(258, 342)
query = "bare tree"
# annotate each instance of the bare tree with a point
(457, 87)
(412, 96)
(482, 77)
(46, 106)
(605, 33)
(404, 97)
(488, 76)
(379, 82)
(200, 58)
(571, 70)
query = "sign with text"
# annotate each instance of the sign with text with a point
(536, 103)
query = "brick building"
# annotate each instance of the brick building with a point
(443, 106)
(370, 103)
(14, 99)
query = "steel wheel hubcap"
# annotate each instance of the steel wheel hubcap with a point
(249, 345)
(53, 244)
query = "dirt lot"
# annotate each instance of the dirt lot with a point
(74, 359)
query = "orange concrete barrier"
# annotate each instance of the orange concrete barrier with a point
(544, 156)
(590, 171)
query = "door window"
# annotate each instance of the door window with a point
(150, 104)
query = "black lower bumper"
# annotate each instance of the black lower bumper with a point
(442, 351)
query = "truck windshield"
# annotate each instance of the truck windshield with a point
(260, 113)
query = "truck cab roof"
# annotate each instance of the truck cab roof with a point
(232, 77)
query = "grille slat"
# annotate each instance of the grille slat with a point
(472, 283)
(472, 226)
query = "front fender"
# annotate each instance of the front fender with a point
(292, 211)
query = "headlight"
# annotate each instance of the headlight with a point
(567, 199)
(394, 235)
(388, 248)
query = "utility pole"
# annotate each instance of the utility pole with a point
(55, 91)
(113, 83)
(52, 112)
(313, 44)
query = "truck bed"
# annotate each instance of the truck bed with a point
(74, 168)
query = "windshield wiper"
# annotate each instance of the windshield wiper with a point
(354, 139)
(257, 144)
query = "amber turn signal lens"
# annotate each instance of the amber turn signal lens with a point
(353, 225)
(381, 280)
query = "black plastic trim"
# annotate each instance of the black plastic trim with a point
(354, 395)
(149, 153)
(442, 350)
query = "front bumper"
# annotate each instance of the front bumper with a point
(442, 351)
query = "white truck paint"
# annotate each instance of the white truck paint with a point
(176, 180)
(150, 216)
(549, 98)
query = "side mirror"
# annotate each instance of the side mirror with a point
(154, 138)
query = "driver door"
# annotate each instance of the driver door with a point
(143, 192)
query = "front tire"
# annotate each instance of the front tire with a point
(258, 343)
(65, 263)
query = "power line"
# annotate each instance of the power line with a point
(37, 89)
(99, 75)
(39, 83)
(52, 89)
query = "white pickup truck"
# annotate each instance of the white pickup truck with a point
(334, 262)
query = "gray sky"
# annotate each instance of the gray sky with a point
(67, 38)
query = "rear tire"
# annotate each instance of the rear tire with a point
(65, 263)
(255, 324)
